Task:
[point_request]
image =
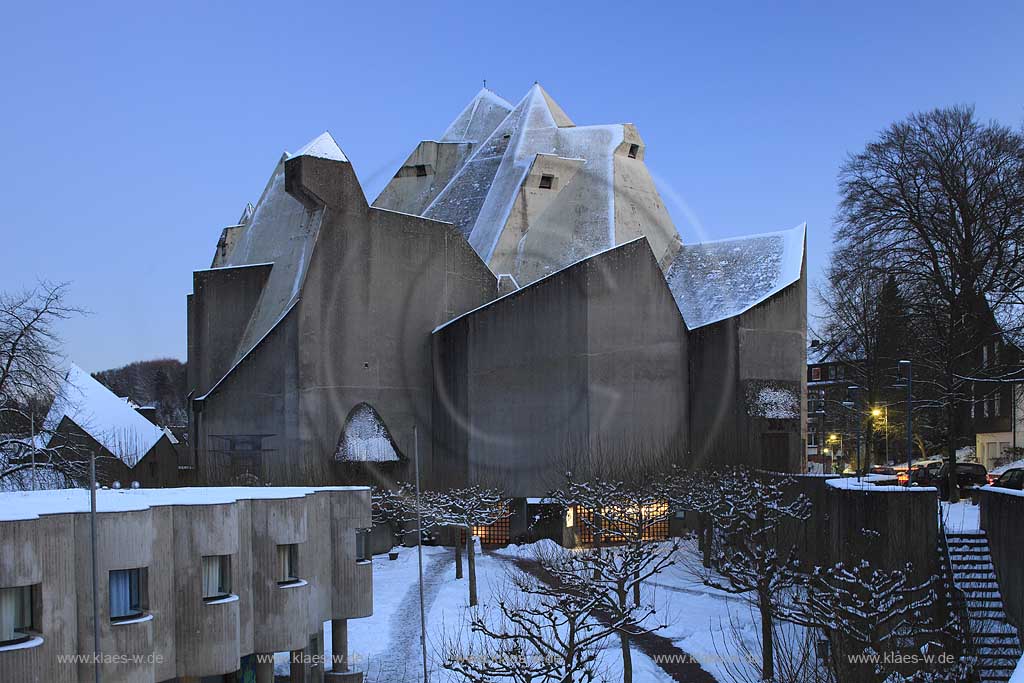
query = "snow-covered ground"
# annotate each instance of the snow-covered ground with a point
(386, 645)
(962, 517)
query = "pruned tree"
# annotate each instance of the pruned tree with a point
(397, 509)
(865, 612)
(535, 632)
(31, 375)
(466, 508)
(625, 517)
(748, 509)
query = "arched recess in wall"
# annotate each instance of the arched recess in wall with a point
(365, 438)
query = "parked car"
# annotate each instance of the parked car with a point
(887, 470)
(1010, 479)
(967, 474)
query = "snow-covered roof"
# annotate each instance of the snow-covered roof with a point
(712, 281)
(110, 420)
(478, 119)
(18, 505)
(323, 147)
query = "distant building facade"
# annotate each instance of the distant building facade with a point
(515, 296)
(192, 583)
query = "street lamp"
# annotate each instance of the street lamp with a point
(905, 374)
(853, 402)
(883, 413)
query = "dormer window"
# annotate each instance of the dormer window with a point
(216, 577)
(546, 181)
(633, 151)
(17, 616)
(287, 564)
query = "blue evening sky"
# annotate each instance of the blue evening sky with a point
(132, 133)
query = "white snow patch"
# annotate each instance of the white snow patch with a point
(365, 438)
(777, 403)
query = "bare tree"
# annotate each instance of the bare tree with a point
(938, 202)
(536, 633)
(31, 376)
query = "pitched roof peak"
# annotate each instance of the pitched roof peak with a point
(478, 118)
(538, 94)
(323, 147)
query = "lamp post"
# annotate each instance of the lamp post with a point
(905, 373)
(852, 402)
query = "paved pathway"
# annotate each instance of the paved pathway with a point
(404, 658)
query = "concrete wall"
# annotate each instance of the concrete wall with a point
(411, 193)
(377, 283)
(1001, 515)
(903, 522)
(186, 636)
(592, 357)
(731, 364)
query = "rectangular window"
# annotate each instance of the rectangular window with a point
(831, 372)
(421, 170)
(216, 576)
(815, 374)
(287, 563)
(997, 403)
(363, 545)
(984, 356)
(633, 150)
(546, 181)
(127, 593)
(16, 614)
(842, 372)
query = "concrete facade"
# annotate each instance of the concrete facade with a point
(45, 543)
(541, 304)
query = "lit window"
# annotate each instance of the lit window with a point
(546, 181)
(16, 618)
(127, 593)
(633, 150)
(287, 563)
(216, 576)
(363, 545)
(815, 374)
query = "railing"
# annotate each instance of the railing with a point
(957, 598)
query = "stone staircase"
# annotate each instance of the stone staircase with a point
(993, 639)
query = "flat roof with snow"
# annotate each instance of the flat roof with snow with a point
(21, 505)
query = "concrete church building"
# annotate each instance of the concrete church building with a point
(517, 292)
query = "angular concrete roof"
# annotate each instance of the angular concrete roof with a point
(281, 231)
(479, 119)
(527, 229)
(711, 281)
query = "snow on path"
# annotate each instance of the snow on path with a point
(404, 656)
(962, 517)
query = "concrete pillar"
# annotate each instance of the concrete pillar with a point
(265, 669)
(339, 654)
(339, 644)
